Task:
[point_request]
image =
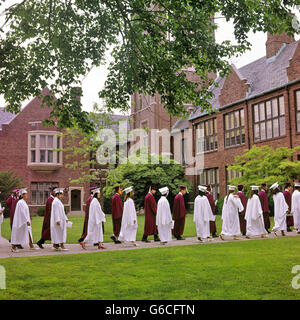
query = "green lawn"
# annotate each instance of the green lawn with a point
(75, 232)
(258, 269)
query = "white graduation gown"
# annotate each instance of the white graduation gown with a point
(202, 216)
(128, 227)
(96, 217)
(58, 233)
(254, 217)
(20, 230)
(164, 220)
(296, 208)
(230, 216)
(280, 209)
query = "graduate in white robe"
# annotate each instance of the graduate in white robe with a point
(296, 206)
(58, 221)
(202, 214)
(254, 215)
(280, 210)
(129, 223)
(164, 220)
(230, 215)
(21, 233)
(96, 217)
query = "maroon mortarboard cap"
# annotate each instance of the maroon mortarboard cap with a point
(92, 188)
(182, 187)
(240, 186)
(15, 190)
(153, 187)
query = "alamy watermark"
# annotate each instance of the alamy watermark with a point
(135, 146)
(296, 279)
(296, 19)
(2, 278)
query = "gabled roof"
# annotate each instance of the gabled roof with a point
(262, 75)
(5, 117)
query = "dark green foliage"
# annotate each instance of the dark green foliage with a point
(59, 42)
(8, 182)
(41, 211)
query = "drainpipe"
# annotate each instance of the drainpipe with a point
(289, 117)
(248, 124)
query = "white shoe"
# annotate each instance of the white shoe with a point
(14, 250)
(34, 248)
(65, 249)
(136, 244)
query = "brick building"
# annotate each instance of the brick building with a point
(257, 104)
(28, 150)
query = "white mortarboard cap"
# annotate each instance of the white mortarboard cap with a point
(297, 184)
(164, 190)
(254, 188)
(58, 190)
(22, 191)
(232, 188)
(127, 190)
(202, 188)
(274, 186)
(97, 190)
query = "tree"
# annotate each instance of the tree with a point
(56, 43)
(266, 164)
(8, 182)
(142, 174)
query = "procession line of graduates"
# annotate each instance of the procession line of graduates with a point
(239, 216)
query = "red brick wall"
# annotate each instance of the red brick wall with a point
(14, 146)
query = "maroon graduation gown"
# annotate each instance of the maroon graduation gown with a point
(86, 217)
(265, 207)
(116, 212)
(150, 215)
(11, 204)
(212, 224)
(47, 216)
(179, 214)
(288, 200)
(242, 214)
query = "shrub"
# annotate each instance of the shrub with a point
(40, 211)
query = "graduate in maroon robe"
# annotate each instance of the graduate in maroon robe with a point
(86, 216)
(212, 224)
(288, 199)
(150, 207)
(47, 216)
(265, 206)
(11, 203)
(243, 198)
(179, 213)
(117, 212)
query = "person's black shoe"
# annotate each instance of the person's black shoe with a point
(144, 239)
(268, 231)
(214, 235)
(180, 238)
(95, 244)
(80, 240)
(113, 238)
(40, 245)
(289, 229)
(156, 239)
(19, 246)
(117, 242)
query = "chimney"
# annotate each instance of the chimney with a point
(275, 42)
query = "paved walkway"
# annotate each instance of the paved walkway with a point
(5, 251)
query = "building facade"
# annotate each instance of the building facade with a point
(258, 104)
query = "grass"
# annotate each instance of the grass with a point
(75, 232)
(257, 269)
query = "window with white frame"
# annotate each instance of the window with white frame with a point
(42, 148)
(210, 177)
(207, 136)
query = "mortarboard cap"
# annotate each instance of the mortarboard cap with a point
(164, 190)
(127, 190)
(274, 186)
